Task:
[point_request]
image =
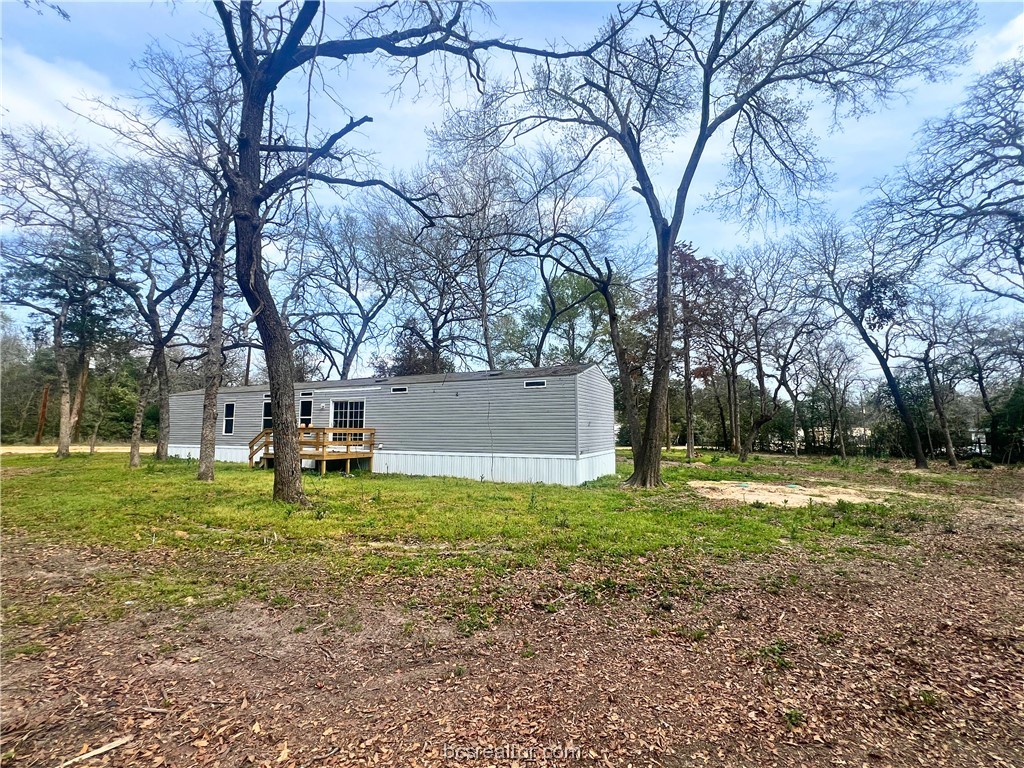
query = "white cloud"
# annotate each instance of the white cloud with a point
(35, 91)
(1004, 44)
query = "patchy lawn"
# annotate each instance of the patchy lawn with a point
(405, 621)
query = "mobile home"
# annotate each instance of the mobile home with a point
(549, 425)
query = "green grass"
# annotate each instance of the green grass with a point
(24, 649)
(387, 522)
(216, 543)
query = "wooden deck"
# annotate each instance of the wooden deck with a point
(319, 444)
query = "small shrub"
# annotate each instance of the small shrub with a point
(794, 718)
(775, 652)
(981, 463)
(693, 634)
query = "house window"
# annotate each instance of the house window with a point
(229, 418)
(305, 413)
(347, 414)
(268, 421)
(535, 384)
(305, 394)
(399, 390)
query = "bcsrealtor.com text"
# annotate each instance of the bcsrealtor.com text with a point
(510, 752)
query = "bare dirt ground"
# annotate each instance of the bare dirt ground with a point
(911, 655)
(792, 494)
(111, 448)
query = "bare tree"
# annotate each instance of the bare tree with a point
(185, 102)
(135, 217)
(866, 285)
(836, 372)
(342, 281)
(960, 196)
(935, 323)
(158, 263)
(780, 320)
(697, 70)
(262, 163)
(432, 305)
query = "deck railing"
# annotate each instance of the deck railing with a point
(320, 444)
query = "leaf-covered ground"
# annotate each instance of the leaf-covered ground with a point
(898, 640)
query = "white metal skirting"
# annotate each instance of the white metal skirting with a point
(496, 467)
(237, 454)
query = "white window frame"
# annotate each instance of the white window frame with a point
(224, 418)
(347, 400)
(302, 401)
(535, 384)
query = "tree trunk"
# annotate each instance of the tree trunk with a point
(485, 309)
(64, 434)
(897, 395)
(724, 430)
(688, 392)
(839, 429)
(796, 429)
(145, 384)
(245, 187)
(733, 392)
(95, 434)
(41, 424)
(78, 408)
(647, 463)
(747, 445)
(64, 431)
(940, 411)
(625, 374)
(993, 434)
(163, 389)
(212, 370)
(276, 340)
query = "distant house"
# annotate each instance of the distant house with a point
(548, 425)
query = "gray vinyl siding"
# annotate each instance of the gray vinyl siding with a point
(477, 417)
(493, 415)
(186, 418)
(595, 411)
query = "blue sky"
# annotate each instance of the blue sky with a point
(47, 61)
